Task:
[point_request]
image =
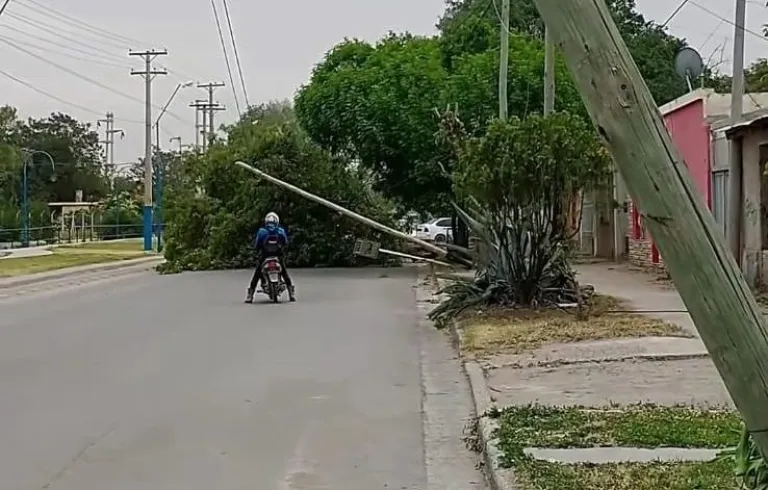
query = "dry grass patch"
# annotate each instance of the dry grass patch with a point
(519, 330)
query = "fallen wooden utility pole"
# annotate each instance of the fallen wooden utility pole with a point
(367, 221)
(702, 267)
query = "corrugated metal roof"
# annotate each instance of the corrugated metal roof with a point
(755, 120)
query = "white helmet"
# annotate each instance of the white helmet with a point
(272, 218)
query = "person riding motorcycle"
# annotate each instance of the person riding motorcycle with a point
(270, 240)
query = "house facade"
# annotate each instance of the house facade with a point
(751, 138)
(697, 124)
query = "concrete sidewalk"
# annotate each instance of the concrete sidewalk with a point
(624, 371)
(641, 292)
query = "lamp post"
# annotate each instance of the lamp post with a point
(28, 158)
(161, 164)
(165, 108)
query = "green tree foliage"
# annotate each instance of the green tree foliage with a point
(376, 104)
(121, 216)
(472, 26)
(473, 84)
(755, 78)
(522, 175)
(73, 145)
(212, 219)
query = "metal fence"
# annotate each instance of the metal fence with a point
(47, 229)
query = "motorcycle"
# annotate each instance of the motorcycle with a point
(273, 284)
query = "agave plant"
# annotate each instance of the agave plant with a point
(518, 264)
(748, 464)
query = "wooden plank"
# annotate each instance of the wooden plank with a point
(703, 269)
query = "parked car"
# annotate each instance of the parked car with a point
(438, 230)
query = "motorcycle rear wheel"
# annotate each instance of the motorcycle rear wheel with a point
(273, 293)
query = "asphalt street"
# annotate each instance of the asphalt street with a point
(171, 383)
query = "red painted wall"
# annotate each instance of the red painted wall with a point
(691, 135)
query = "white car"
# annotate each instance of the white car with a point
(438, 230)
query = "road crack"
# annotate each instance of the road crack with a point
(77, 459)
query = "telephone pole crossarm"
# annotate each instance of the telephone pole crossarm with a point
(210, 87)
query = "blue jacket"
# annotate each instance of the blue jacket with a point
(271, 229)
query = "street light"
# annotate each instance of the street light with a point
(29, 156)
(159, 189)
(165, 108)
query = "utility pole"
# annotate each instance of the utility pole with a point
(198, 127)
(704, 271)
(109, 160)
(203, 125)
(109, 140)
(504, 60)
(149, 74)
(735, 174)
(212, 106)
(549, 72)
(203, 111)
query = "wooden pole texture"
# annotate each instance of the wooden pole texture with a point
(503, 60)
(702, 267)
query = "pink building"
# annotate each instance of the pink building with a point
(692, 121)
(686, 122)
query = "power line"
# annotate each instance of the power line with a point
(728, 21)
(674, 13)
(104, 53)
(226, 56)
(64, 18)
(72, 72)
(59, 99)
(5, 4)
(83, 77)
(100, 57)
(237, 55)
(68, 55)
(57, 30)
(81, 24)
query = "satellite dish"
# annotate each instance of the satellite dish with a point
(689, 65)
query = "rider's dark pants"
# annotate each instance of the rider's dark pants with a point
(257, 273)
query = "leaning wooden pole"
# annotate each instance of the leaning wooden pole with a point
(701, 266)
(339, 209)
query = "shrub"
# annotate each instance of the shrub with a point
(215, 211)
(522, 177)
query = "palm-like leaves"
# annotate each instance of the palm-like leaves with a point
(517, 264)
(748, 464)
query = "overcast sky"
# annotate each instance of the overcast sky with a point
(279, 42)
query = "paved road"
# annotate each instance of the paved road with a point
(170, 382)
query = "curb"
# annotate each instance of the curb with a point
(498, 477)
(74, 271)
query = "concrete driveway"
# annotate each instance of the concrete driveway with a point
(171, 383)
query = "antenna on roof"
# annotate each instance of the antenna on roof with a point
(689, 65)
